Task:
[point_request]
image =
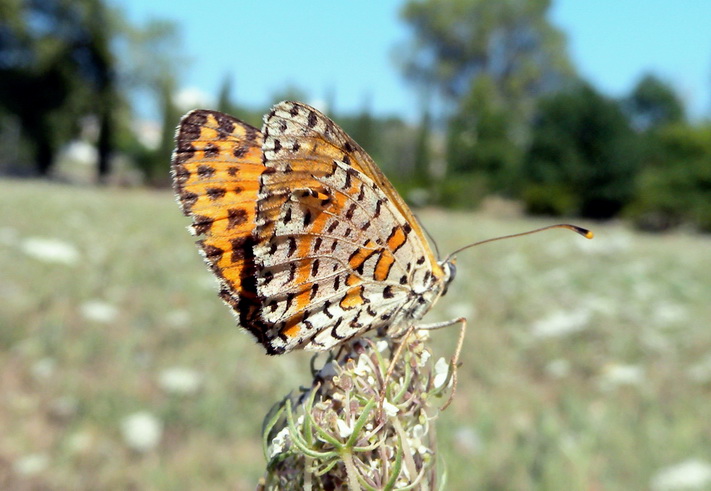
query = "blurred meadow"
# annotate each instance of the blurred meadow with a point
(586, 364)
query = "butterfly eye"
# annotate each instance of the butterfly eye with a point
(452, 273)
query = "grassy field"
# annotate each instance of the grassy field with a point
(586, 366)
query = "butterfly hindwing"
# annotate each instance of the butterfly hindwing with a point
(337, 257)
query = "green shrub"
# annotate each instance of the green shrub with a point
(675, 187)
(550, 199)
(582, 158)
(463, 191)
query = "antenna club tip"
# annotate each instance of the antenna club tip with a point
(580, 230)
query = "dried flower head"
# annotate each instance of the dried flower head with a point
(355, 427)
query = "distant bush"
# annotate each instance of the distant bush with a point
(582, 159)
(463, 191)
(480, 146)
(550, 199)
(674, 187)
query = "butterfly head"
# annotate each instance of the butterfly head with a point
(450, 272)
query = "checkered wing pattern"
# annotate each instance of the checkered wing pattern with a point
(311, 242)
(216, 168)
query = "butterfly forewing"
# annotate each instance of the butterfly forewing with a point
(216, 168)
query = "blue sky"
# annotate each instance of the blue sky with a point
(324, 46)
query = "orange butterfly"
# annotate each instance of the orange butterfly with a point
(310, 241)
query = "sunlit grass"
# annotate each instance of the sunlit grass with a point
(587, 364)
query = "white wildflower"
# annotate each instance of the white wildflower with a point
(50, 250)
(701, 371)
(654, 340)
(142, 431)
(31, 464)
(344, 429)
(558, 368)
(606, 245)
(362, 367)
(560, 323)
(618, 374)
(424, 358)
(81, 441)
(278, 443)
(382, 345)
(390, 409)
(44, 368)
(99, 311)
(687, 475)
(569, 442)
(180, 380)
(468, 441)
(178, 318)
(601, 304)
(441, 371)
(516, 263)
(666, 312)
(415, 439)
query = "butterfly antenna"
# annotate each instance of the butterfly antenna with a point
(578, 230)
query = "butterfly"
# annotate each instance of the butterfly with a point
(311, 243)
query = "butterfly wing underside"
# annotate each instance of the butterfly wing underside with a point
(338, 249)
(216, 168)
(311, 243)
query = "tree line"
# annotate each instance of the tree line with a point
(71, 67)
(521, 122)
(503, 111)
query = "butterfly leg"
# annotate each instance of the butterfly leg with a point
(404, 335)
(454, 362)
